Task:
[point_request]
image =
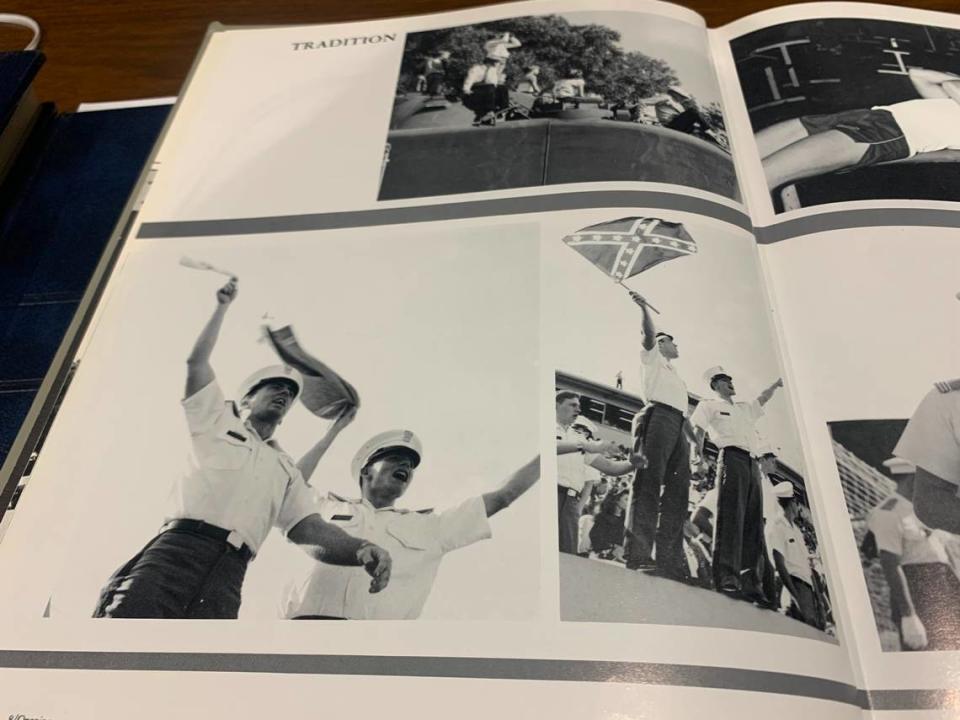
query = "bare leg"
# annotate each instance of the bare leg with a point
(813, 155)
(778, 136)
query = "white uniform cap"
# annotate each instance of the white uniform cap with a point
(899, 466)
(783, 490)
(711, 373)
(389, 439)
(271, 372)
(584, 423)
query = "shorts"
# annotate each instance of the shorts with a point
(876, 128)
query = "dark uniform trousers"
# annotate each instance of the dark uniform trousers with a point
(661, 490)
(568, 518)
(935, 591)
(804, 605)
(740, 542)
(486, 98)
(178, 574)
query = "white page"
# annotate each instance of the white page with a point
(843, 294)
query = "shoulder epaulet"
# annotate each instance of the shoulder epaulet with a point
(889, 504)
(340, 498)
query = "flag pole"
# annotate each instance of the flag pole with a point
(620, 283)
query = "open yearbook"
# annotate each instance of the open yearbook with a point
(604, 365)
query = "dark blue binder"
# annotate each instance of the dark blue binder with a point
(59, 205)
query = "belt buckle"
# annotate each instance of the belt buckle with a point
(234, 539)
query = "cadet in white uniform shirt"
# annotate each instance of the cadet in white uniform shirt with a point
(791, 556)
(931, 441)
(417, 540)
(580, 460)
(239, 484)
(661, 489)
(739, 526)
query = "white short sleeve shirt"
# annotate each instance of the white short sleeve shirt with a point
(729, 424)
(417, 542)
(897, 530)
(661, 383)
(931, 439)
(234, 479)
(573, 469)
(788, 541)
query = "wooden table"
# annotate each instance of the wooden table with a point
(123, 49)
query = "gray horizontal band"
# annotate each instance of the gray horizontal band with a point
(850, 219)
(447, 211)
(637, 673)
(484, 668)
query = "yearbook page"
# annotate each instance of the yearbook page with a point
(841, 112)
(454, 325)
(862, 271)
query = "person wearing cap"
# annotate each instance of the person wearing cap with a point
(924, 591)
(791, 557)
(931, 441)
(739, 536)
(661, 488)
(435, 71)
(239, 484)
(484, 87)
(418, 541)
(580, 453)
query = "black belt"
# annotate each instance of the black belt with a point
(736, 450)
(199, 527)
(671, 408)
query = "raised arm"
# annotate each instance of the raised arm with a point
(764, 397)
(521, 481)
(511, 41)
(328, 543)
(934, 83)
(199, 371)
(649, 331)
(308, 463)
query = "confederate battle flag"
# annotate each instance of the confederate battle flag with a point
(626, 247)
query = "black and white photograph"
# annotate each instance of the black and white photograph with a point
(900, 480)
(682, 497)
(853, 109)
(306, 426)
(575, 97)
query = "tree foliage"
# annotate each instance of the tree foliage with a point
(550, 42)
